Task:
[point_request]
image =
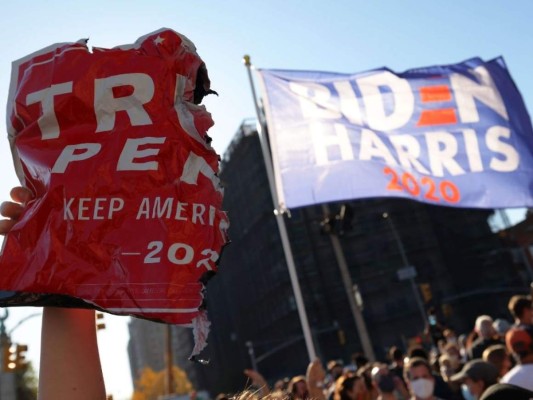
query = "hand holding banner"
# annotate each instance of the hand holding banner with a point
(127, 210)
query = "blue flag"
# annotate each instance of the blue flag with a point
(455, 135)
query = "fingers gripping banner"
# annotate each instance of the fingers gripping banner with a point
(127, 209)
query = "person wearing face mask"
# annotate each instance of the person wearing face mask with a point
(441, 389)
(420, 379)
(475, 378)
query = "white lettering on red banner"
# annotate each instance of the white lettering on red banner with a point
(127, 211)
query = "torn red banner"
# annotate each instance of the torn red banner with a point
(127, 210)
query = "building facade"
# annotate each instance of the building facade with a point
(147, 348)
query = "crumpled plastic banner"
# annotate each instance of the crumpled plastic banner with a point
(127, 211)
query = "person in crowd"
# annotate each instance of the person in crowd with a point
(434, 329)
(520, 308)
(442, 390)
(316, 380)
(420, 380)
(434, 354)
(519, 341)
(359, 360)
(449, 336)
(70, 364)
(388, 385)
(446, 372)
(498, 356)
(501, 326)
(302, 387)
(335, 371)
(461, 342)
(365, 372)
(504, 391)
(417, 351)
(257, 381)
(361, 367)
(397, 362)
(454, 354)
(297, 389)
(281, 385)
(486, 337)
(350, 387)
(475, 377)
(450, 362)
(445, 367)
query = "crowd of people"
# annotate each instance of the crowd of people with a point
(495, 361)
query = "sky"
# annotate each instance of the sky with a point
(340, 36)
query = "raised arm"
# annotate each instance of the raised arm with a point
(70, 365)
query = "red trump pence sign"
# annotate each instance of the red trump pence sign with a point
(127, 211)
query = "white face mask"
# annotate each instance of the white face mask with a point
(422, 388)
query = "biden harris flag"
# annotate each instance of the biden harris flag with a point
(456, 135)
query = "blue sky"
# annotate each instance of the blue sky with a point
(340, 35)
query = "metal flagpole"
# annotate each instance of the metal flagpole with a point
(348, 287)
(281, 222)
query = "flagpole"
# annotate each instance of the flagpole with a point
(278, 212)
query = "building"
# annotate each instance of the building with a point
(519, 239)
(463, 270)
(147, 348)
